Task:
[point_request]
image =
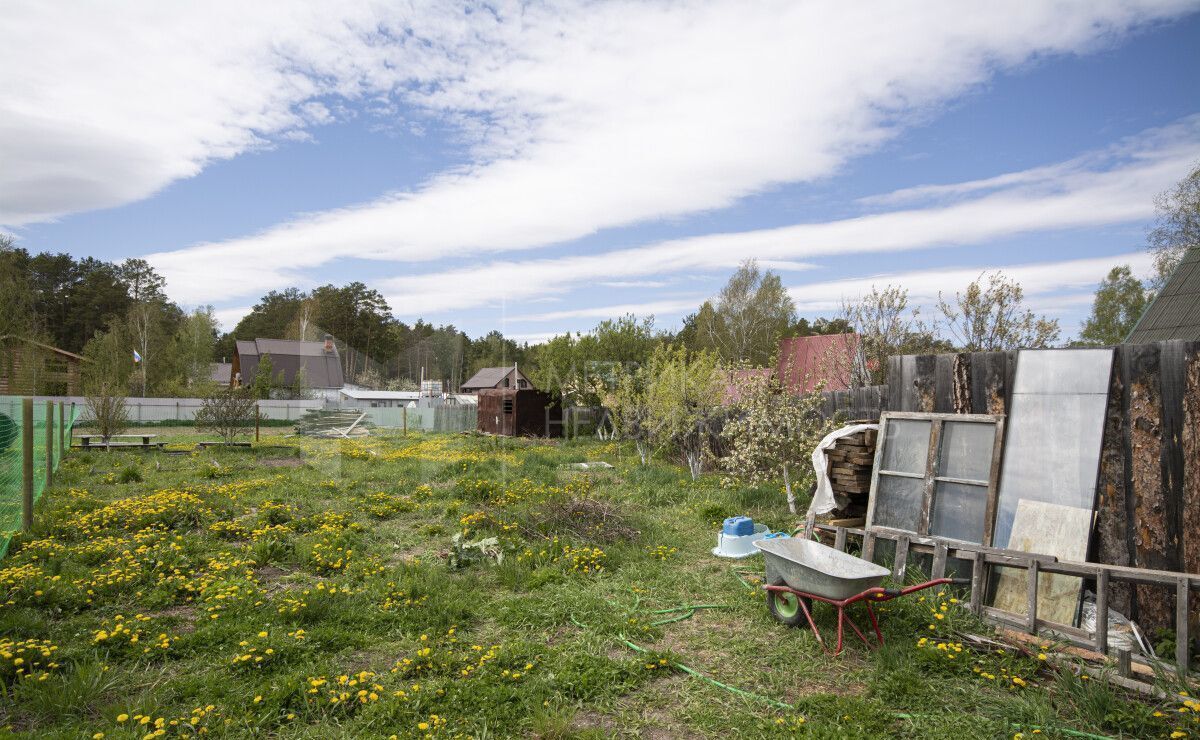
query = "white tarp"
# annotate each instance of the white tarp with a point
(823, 500)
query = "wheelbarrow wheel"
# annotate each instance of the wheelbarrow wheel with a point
(785, 607)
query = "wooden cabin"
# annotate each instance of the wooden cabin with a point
(28, 367)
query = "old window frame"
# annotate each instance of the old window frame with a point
(932, 475)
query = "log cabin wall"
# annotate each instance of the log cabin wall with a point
(1148, 498)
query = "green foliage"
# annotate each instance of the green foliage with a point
(886, 326)
(229, 412)
(745, 324)
(583, 367)
(1176, 227)
(683, 398)
(628, 401)
(1120, 301)
(992, 317)
(264, 378)
(772, 433)
(106, 405)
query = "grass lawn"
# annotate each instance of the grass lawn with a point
(313, 589)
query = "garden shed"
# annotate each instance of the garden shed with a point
(519, 413)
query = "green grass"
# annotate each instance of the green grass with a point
(309, 593)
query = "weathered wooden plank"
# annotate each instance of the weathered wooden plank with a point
(1102, 587)
(939, 561)
(900, 564)
(1172, 365)
(977, 575)
(924, 383)
(900, 372)
(1150, 528)
(1114, 533)
(943, 384)
(1181, 631)
(839, 539)
(1190, 445)
(1031, 595)
(868, 548)
(962, 383)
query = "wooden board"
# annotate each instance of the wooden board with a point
(1049, 529)
(1114, 536)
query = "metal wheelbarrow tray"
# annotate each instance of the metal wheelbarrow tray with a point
(801, 571)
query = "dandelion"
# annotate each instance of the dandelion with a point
(122, 717)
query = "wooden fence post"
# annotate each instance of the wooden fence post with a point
(405, 419)
(26, 464)
(49, 442)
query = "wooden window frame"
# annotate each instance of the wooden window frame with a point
(931, 477)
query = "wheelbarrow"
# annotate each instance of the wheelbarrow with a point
(801, 571)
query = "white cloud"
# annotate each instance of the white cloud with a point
(1048, 286)
(1046, 198)
(650, 308)
(578, 117)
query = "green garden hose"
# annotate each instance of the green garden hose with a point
(693, 672)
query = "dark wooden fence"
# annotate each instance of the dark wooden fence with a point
(1149, 487)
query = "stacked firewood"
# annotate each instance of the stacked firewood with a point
(849, 464)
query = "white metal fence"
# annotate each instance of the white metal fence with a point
(439, 419)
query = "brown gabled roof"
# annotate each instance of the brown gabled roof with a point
(321, 369)
(56, 350)
(490, 377)
(1175, 312)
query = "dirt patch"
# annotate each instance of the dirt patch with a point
(588, 720)
(589, 519)
(184, 616)
(281, 462)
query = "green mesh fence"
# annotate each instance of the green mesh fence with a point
(51, 436)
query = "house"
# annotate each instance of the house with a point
(829, 360)
(1175, 311)
(380, 399)
(319, 361)
(220, 372)
(496, 377)
(514, 412)
(28, 367)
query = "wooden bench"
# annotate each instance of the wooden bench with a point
(85, 442)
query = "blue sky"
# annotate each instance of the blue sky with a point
(537, 168)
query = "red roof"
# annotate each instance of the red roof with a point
(805, 362)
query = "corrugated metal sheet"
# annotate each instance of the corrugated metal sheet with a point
(1175, 313)
(828, 359)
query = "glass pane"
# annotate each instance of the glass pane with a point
(906, 445)
(1051, 455)
(966, 450)
(898, 502)
(958, 511)
(1063, 371)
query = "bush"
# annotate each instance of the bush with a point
(109, 412)
(229, 412)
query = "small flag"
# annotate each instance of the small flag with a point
(136, 356)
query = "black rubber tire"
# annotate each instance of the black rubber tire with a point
(785, 608)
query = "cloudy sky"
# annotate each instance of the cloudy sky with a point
(536, 168)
